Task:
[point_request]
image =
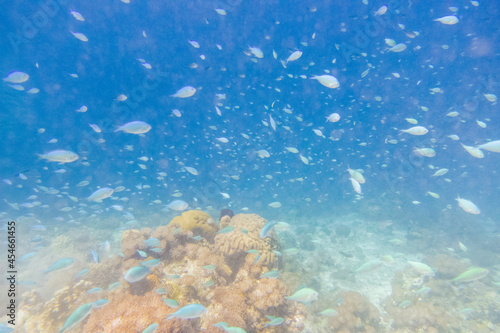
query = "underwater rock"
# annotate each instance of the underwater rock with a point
(447, 266)
(356, 314)
(226, 212)
(421, 316)
(307, 243)
(342, 230)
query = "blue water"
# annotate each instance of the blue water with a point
(339, 39)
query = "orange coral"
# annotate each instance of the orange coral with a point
(130, 313)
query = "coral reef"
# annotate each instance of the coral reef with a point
(200, 223)
(356, 314)
(131, 313)
(214, 270)
(246, 236)
(444, 307)
(447, 266)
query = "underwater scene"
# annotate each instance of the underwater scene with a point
(250, 166)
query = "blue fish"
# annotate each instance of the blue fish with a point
(226, 230)
(100, 303)
(136, 273)
(142, 254)
(190, 311)
(267, 229)
(60, 264)
(171, 303)
(151, 328)
(106, 246)
(95, 256)
(76, 317)
(161, 291)
(38, 227)
(229, 329)
(114, 285)
(26, 256)
(82, 273)
(151, 263)
(210, 267)
(94, 290)
(271, 275)
(274, 321)
(152, 242)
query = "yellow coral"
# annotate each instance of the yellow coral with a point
(200, 223)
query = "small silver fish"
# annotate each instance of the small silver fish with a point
(60, 155)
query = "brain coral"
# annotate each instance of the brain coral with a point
(246, 236)
(200, 223)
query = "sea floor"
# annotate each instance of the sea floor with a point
(358, 266)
